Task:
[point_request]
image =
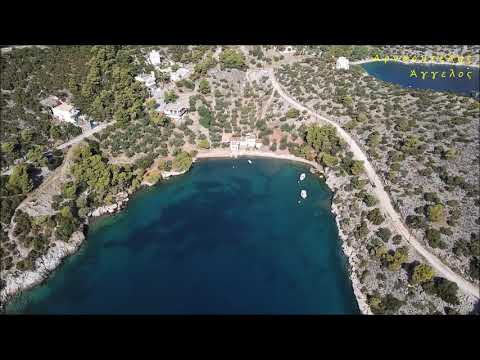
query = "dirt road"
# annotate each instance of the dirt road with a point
(84, 135)
(385, 203)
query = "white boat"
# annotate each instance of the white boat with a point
(302, 177)
(249, 161)
(303, 194)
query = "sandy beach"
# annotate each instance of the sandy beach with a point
(226, 153)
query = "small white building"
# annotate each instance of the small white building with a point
(342, 63)
(154, 58)
(66, 113)
(174, 110)
(244, 143)
(250, 141)
(234, 144)
(175, 113)
(147, 79)
(180, 74)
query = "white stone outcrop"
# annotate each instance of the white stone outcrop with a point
(121, 201)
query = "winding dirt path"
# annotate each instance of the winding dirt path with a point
(84, 135)
(384, 200)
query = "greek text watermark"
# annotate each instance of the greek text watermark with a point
(449, 59)
(440, 74)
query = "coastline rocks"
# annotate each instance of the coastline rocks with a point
(167, 174)
(107, 209)
(353, 261)
(121, 198)
(44, 265)
(333, 183)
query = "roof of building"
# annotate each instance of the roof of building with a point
(50, 101)
(64, 107)
(145, 77)
(154, 57)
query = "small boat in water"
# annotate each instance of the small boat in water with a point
(302, 176)
(303, 194)
(249, 161)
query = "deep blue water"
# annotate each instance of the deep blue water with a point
(399, 73)
(228, 237)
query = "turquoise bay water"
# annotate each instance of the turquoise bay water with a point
(228, 237)
(399, 73)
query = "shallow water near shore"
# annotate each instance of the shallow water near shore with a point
(228, 237)
(399, 73)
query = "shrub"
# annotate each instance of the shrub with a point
(293, 113)
(204, 144)
(474, 268)
(435, 213)
(182, 161)
(422, 273)
(384, 234)
(443, 288)
(375, 216)
(433, 237)
(397, 239)
(397, 259)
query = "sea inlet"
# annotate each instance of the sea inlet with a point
(228, 237)
(455, 80)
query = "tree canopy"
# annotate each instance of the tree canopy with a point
(232, 59)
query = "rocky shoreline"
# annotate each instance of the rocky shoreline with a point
(348, 251)
(46, 264)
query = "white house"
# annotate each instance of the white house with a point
(154, 58)
(244, 143)
(234, 144)
(148, 79)
(66, 113)
(250, 140)
(342, 63)
(180, 74)
(175, 112)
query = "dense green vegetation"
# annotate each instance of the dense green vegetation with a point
(422, 273)
(103, 180)
(28, 76)
(182, 162)
(443, 288)
(322, 144)
(109, 90)
(232, 59)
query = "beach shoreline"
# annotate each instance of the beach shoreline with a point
(48, 263)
